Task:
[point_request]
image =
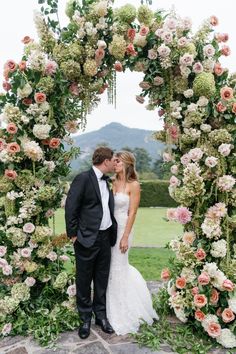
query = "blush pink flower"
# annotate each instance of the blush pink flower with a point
(27, 40)
(64, 258)
(199, 315)
(165, 274)
(13, 148)
(171, 214)
(10, 66)
(226, 93)
(25, 252)
(200, 300)
(40, 97)
(29, 228)
(228, 285)
(200, 254)
(131, 34)
(174, 181)
(10, 174)
(220, 107)
(180, 283)
(54, 143)
(228, 315)
(71, 290)
(144, 30)
(7, 269)
(218, 70)
(214, 298)
(203, 278)
(214, 20)
(225, 50)
(195, 290)
(183, 215)
(188, 237)
(30, 281)
(118, 66)
(11, 128)
(3, 251)
(213, 329)
(22, 65)
(6, 86)
(74, 89)
(130, 50)
(51, 67)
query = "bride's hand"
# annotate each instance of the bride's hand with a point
(124, 244)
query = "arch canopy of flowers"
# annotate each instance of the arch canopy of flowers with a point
(48, 95)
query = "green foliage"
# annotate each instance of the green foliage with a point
(155, 194)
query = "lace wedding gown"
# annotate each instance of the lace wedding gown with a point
(128, 299)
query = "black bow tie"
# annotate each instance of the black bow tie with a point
(105, 178)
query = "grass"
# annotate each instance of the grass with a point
(150, 229)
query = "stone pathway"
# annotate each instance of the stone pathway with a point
(97, 343)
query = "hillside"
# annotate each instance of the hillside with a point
(117, 136)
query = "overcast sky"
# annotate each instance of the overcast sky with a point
(16, 21)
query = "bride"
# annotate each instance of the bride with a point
(128, 298)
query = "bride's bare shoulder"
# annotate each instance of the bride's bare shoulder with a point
(134, 185)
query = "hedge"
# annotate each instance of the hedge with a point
(155, 194)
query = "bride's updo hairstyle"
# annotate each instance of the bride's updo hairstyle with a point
(128, 160)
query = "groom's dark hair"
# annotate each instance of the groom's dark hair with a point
(101, 154)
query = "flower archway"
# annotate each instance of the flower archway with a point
(48, 95)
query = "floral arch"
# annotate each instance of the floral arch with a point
(48, 95)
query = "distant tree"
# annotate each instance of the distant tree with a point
(161, 169)
(143, 160)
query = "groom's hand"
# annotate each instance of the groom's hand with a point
(74, 238)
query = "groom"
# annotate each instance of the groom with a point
(90, 223)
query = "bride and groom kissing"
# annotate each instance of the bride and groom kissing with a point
(99, 221)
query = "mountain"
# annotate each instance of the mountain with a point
(116, 136)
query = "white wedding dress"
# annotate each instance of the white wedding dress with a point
(128, 299)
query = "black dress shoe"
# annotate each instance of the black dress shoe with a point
(105, 325)
(84, 330)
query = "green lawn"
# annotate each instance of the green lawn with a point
(150, 228)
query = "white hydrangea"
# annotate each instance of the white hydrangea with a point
(37, 60)
(232, 304)
(211, 269)
(41, 131)
(219, 248)
(33, 150)
(50, 165)
(203, 101)
(227, 339)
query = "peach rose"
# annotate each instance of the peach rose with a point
(213, 329)
(13, 148)
(99, 54)
(40, 97)
(130, 50)
(180, 283)
(131, 34)
(143, 30)
(11, 128)
(225, 50)
(199, 315)
(214, 21)
(10, 174)
(6, 86)
(22, 65)
(218, 70)
(219, 311)
(26, 40)
(226, 93)
(54, 143)
(10, 66)
(203, 278)
(214, 298)
(234, 108)
(200, 254)
(228, 285)
(118, 66)
(228, 315)
(165, 274)
(200, 300)
(221, 37)
(220, 107)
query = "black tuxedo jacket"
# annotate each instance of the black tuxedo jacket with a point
(83, 210)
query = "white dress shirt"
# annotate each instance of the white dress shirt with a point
(106, 219)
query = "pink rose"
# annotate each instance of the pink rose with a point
(183, 215)
(99, 54)
(30, 281)
(52, 256)
(174, 181)
(213, 329)
(131, 34)
(140, 99)
(118, 66)
(167, 157)
(197, 68)
(225, 50)
(10, 174)
(64, 258)
(3, 262)
(27, 101)
(180, 283)
(71, 290)
(195, 290)
(6, 86)
(214, 21)
(40, 97)
(221, 37)
(3, 251)
(130, 50)
(226, 93)
(174, 169)
(220, 107)
(152, 54)
(22, 65)
(228, 285)
(7, 269)
(13, 148)
(158, 81)
(165, 274)
(10, 66)
(218, 70)
(200, 254)
(54, 143)
(200, 300)
(185, 159)
(224, 149)
(29, 228)
(144, 30)
(199, 315)
(214, 298)
(144, 85)
(26, 40)
(25, 252)
(11, 128)
(204, 278)
(228, 315)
